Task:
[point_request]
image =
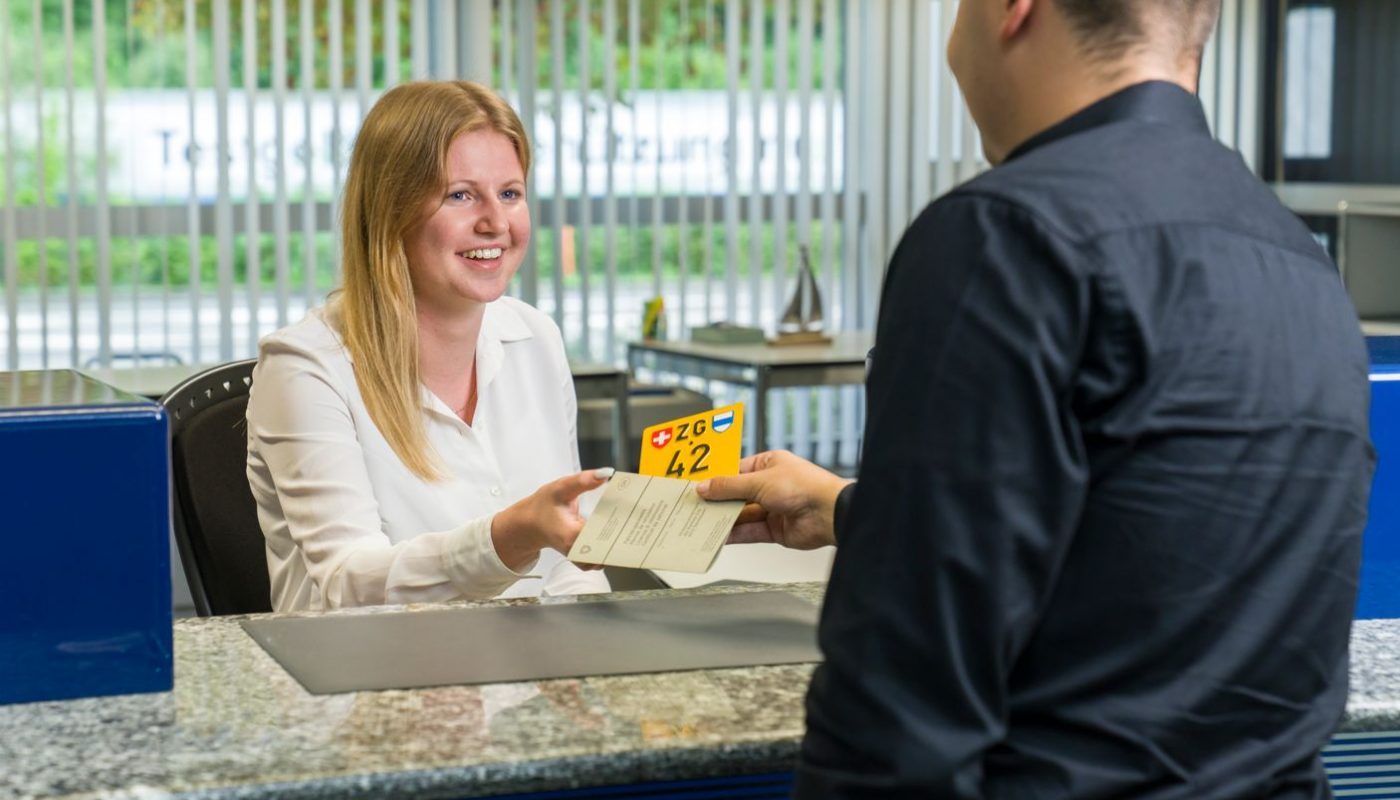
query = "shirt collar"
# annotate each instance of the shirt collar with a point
(1152, 101)
(501, 324)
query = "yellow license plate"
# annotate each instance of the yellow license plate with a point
(696, 447)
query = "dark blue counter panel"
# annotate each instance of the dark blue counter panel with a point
(85, 582)
(1379, 597)
(770, 786)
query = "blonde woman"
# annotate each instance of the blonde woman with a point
(406, 441)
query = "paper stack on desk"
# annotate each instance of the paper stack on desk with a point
(654, 523)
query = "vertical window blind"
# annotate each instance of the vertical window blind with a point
(172, 168)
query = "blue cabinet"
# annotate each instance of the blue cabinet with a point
(1380, 564)
(85, 574)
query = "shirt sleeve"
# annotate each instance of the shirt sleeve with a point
(301, 426)
(971, 482)
(842, 513)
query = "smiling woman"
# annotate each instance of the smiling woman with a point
(482, 223)
(406, 442)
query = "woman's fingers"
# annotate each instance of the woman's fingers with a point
(567, 489)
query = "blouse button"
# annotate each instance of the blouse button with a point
(495, 491)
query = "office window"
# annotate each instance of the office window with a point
(1333, 112)
(193, 154)
(1308, 59)
(171, 169)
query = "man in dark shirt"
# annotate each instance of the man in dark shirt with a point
(1107, 530)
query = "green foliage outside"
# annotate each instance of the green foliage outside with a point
(634, 252)
(55, 170)
(160, 261)
(681, 44)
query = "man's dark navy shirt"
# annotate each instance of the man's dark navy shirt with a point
(1107, 531)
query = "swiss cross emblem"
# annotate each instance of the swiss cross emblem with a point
(661, 437)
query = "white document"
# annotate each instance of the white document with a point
(654, 523)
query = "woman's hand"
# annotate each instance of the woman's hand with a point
(547, 518)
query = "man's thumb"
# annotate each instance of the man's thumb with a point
(730, 487)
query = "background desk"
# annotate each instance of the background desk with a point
(600, 381)
(151, 381)
(238, 726)
(760, 366)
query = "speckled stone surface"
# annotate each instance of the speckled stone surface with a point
(1374, 702)
(237, 726)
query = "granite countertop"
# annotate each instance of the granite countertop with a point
(237, 726)
(1374, 700)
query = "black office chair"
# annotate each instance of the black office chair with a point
(215, 517)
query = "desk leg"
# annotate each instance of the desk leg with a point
(621, 428)
(760, 410)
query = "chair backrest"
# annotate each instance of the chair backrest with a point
(215, 517)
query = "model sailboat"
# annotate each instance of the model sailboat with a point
(802, 321)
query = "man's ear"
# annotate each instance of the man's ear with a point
(1016, 16)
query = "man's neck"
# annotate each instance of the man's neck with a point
(1076, 86)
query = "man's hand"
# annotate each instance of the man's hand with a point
(792, 501)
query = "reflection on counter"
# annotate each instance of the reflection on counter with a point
(40, 390)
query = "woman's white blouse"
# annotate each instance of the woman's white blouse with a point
(347, 524)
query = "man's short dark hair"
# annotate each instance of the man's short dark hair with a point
(1110, 28)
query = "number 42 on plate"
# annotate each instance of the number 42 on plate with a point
(696, 447)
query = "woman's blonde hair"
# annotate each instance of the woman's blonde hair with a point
(398, 165)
